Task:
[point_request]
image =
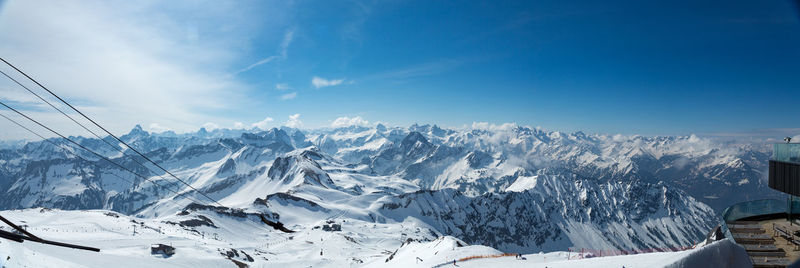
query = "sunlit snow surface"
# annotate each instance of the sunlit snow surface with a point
(120, 247)
(441, 253)
(361, 245)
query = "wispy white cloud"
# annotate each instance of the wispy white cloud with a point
(256, 64)
(320, 82)
(493, 127)
(163, 65)
(287, 40)
(345, 121)
(289, 96)
(424, 69)
(294, 121)
(238, 125)
(283, 53)
(263, 124)
(156, 128)
(282, 86)
(210, 126)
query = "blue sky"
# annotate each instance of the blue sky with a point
(630, 67)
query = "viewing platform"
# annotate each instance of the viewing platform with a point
(765, 229)
(768, 229)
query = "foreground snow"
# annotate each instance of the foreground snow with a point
(240, 240)
(442, 252)
(233, 239)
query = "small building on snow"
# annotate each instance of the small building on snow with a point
(161, 249)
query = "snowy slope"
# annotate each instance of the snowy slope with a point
(202, 238)
(443, 251)
(223, 241)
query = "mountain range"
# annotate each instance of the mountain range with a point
(514, 188)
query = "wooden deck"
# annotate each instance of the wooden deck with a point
(750, 238)
(756, 248)
(770, 262)
(759, 239)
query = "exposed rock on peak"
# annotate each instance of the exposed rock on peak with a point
(299, 169)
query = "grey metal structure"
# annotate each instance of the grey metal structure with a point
(784, 168)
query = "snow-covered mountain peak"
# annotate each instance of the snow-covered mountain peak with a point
(380, 127)
(299, 168)
(414, 140)
(135, 133)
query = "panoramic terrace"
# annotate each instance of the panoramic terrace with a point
(768, 229)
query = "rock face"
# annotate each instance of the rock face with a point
(300, 169)
(514, 188)
(555, 212)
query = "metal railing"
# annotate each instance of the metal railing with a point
(761, 207)
(755, 208)
(786, 152)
